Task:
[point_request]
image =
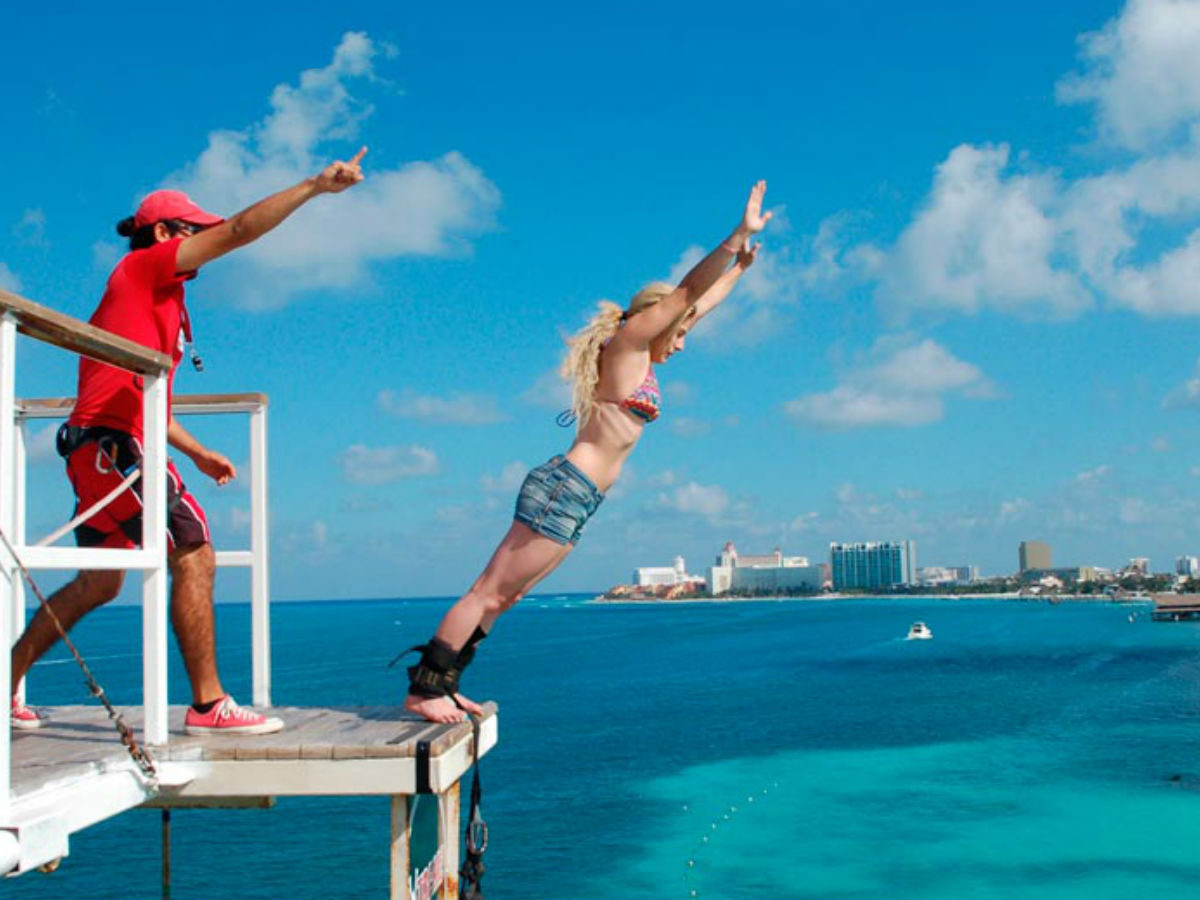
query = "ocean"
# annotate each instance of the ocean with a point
(765, 749)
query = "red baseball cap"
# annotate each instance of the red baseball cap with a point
(162, 205)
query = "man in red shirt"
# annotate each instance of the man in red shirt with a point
(170, 238)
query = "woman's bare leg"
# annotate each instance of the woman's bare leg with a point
(523, 558)
(489, 620)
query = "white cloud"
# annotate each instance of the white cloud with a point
(40, 447)
(693, 499)
(1186, 395)
(1142, 72)
(106, 255)
(320, 534)
(1013, 510)
(899, 383)
(383, 465)
(999, 232)
(239, 520)
(680, 392)
(549, 391)
(457, 409)
(424, 207)
(805, 521)
(689, 427)
(306, 539)
(664, 478)
(31, 228)
(1093, 474)
(508, 481)
(1135, 511)
(8, 279)
(984, 239)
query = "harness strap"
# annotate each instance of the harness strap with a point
(471, 874)
(440, 668)
(69, 439)
(434, 675)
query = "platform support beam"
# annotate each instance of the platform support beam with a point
(448, 823)
(400, 843)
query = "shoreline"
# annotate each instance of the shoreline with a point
(824, 598)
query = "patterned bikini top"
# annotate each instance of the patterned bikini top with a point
(646, 400)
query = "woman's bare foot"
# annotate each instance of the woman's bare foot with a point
(469, 705)
(435, 709)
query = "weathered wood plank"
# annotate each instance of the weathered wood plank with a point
(72, 334)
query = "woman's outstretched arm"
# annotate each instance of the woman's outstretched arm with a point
(712, 298)
(647, 325)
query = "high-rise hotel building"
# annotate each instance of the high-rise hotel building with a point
(1034, 556)
(872, 565)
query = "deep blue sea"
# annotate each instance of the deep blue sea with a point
(722, 750)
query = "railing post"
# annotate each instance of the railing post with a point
(18, 534)
(154, 540)
(8, 570)
(260, 609)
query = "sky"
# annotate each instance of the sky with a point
(971, 322)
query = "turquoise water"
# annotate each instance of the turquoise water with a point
(765, 749)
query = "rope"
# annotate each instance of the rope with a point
(140, 755)
(93, 509)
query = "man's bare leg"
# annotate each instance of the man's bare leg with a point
(192, 571)
(74, 600)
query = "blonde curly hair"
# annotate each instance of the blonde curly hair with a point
(581, 365)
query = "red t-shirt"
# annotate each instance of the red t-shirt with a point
(144, 303)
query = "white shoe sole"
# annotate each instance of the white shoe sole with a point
(268, 727)
(22, 725)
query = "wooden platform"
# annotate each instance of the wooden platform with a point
(78, 741)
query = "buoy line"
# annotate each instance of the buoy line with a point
(706, 838)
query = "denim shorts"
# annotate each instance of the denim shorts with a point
(556, 500)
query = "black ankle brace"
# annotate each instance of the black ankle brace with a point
(435, 675)
(467, 653)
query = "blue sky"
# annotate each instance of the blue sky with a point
(970, 324)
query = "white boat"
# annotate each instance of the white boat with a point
(919, 632)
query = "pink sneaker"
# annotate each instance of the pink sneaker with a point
(226, 717)
(23, 717)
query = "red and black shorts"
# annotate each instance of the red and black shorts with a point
(99, 463)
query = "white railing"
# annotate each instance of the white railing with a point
(255, 558)
(41, 323)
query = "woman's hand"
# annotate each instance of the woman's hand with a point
(747, 255)
(754, 219)
(338, 176)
